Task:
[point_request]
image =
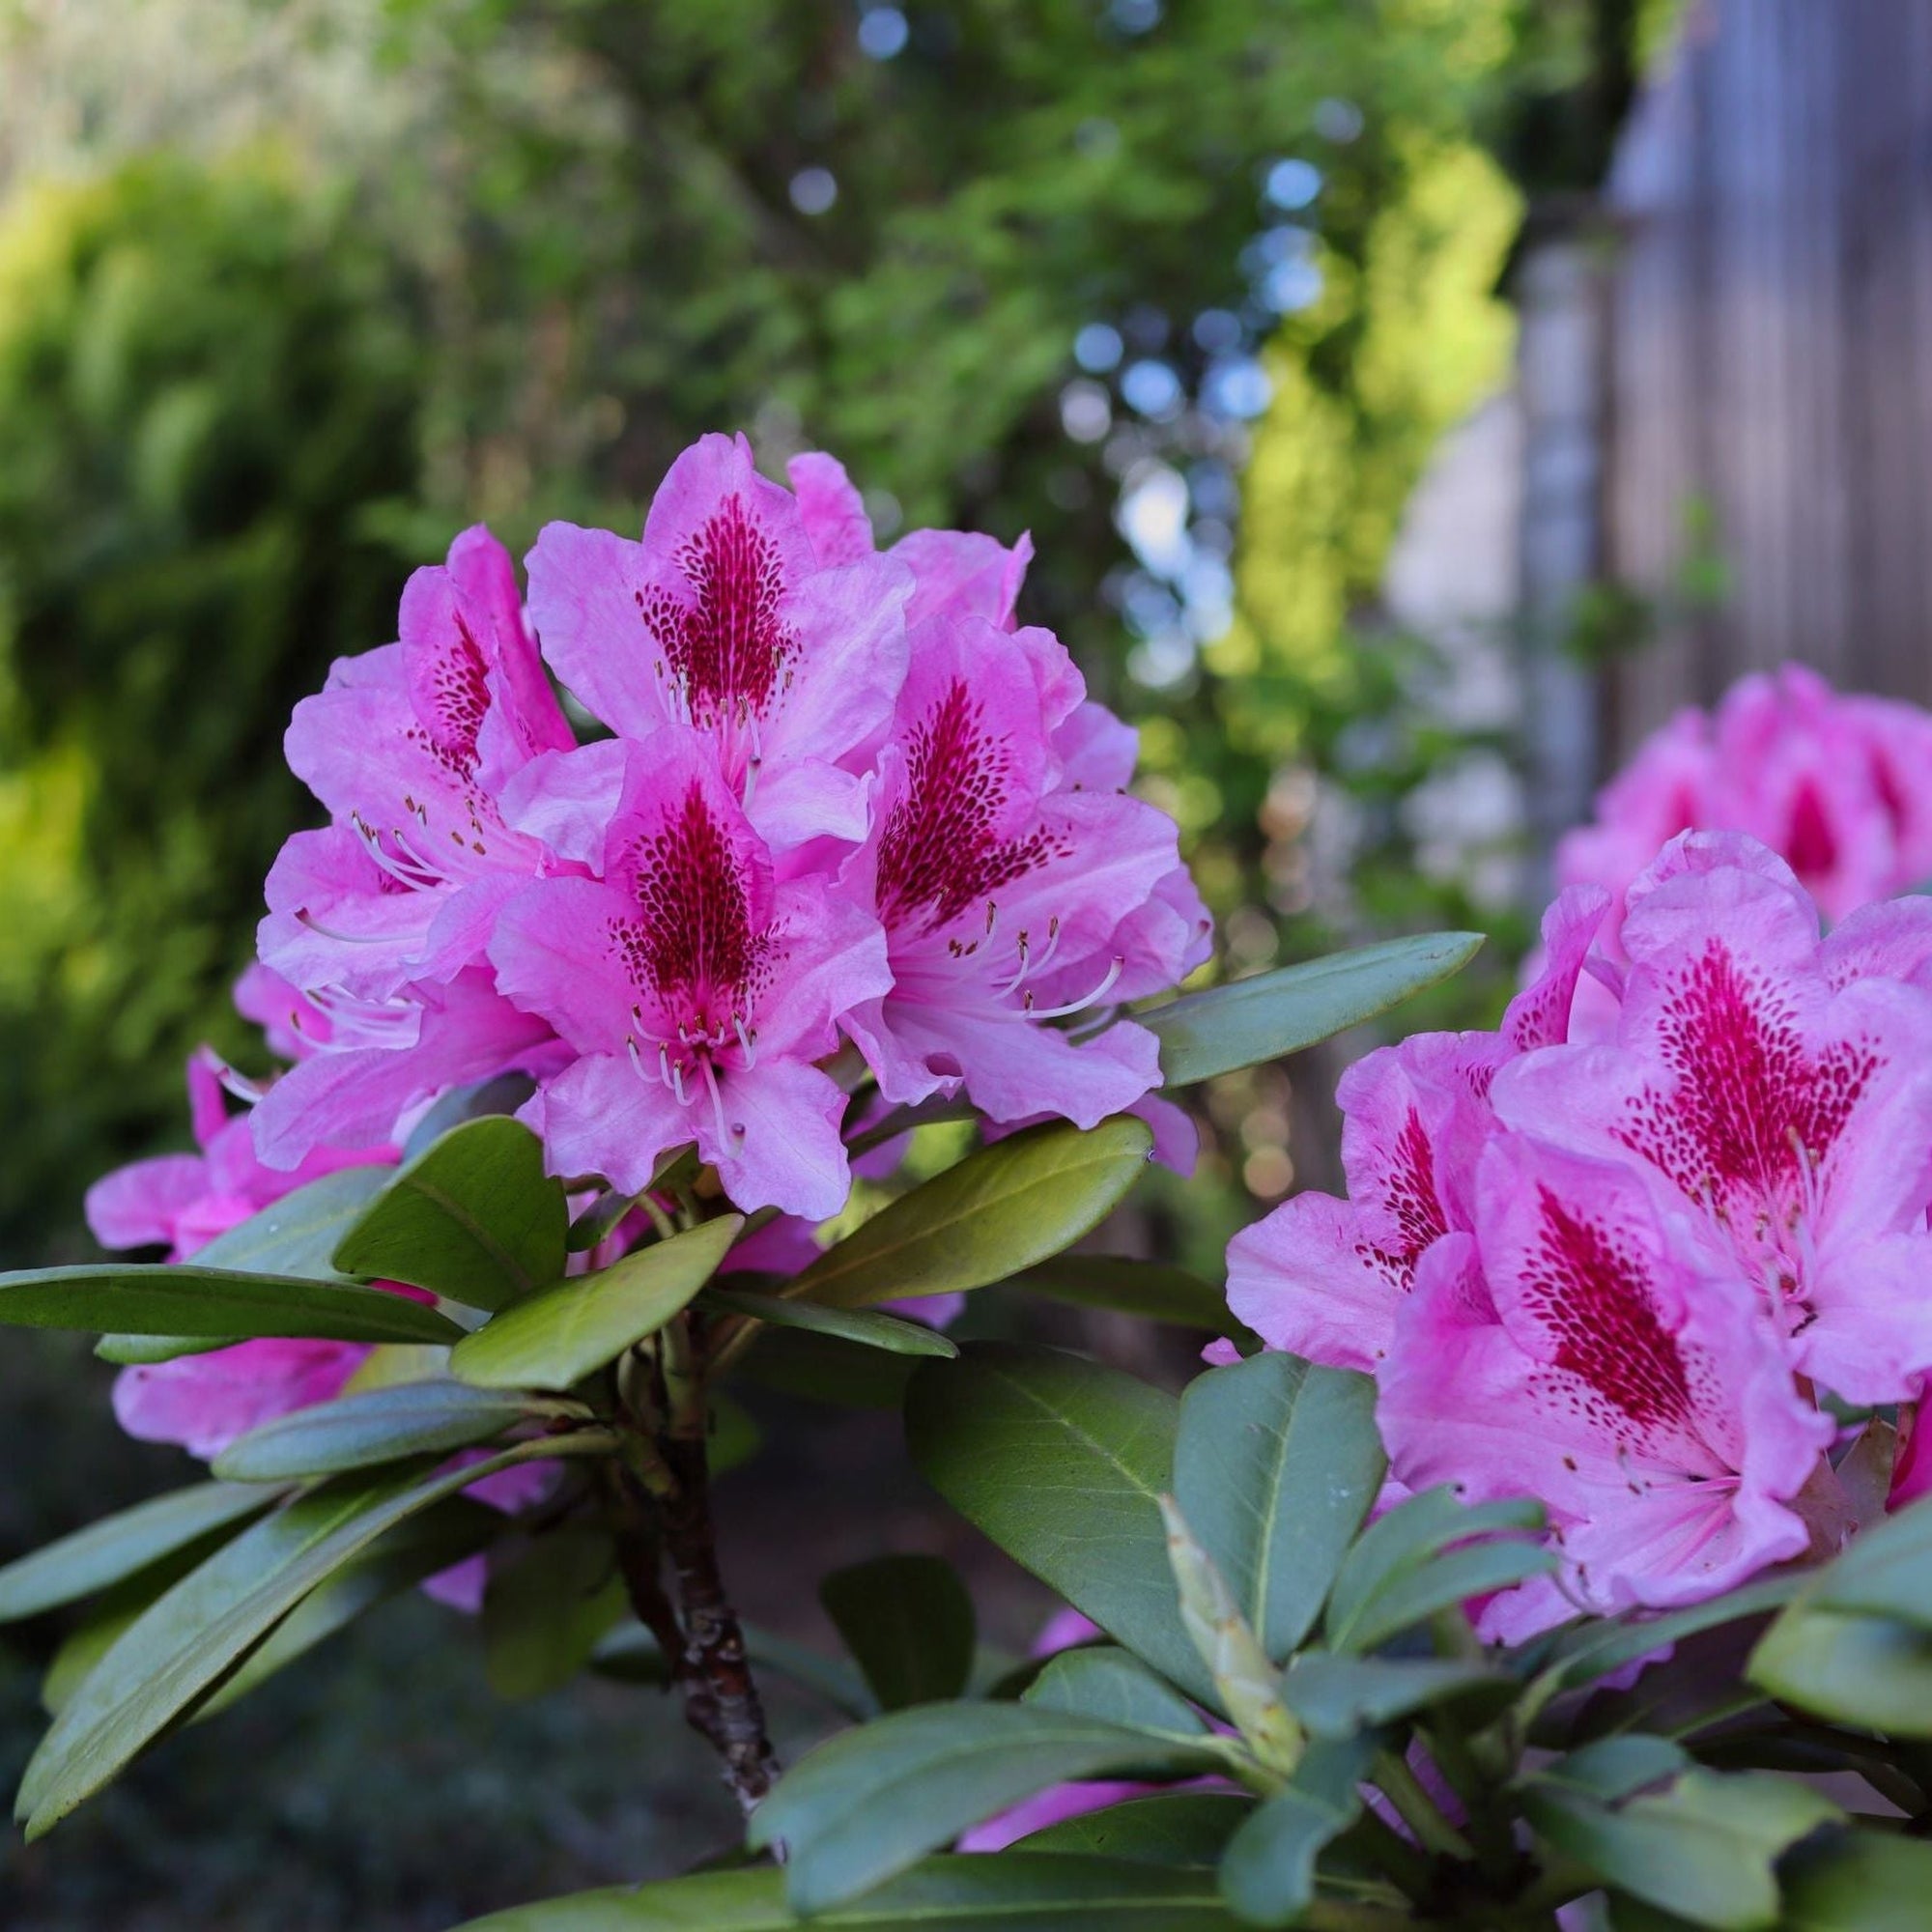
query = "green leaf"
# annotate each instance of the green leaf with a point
(1275, 1466)
(1868, 1672)
(1476, 1569)
(869, 1803)
(1273, 1014)
(561, 1336)
(1885, 1570)
(1268, 1871)
(1020, 1892)
(409, 1554)
(1152, 1291)
(1849, 1881)
(1703, 1847)
(864, 1326)
(118, 1547)
(909, 1625)
(1336, 1697)
(825, 1368)
(192, 1637)
(143, 1351)
(187, 1299)
(1063, 1463)
(1001, 1210)
(1100, 1681)
(381, 1425)
(1181, 1827)
(504, 1094)
(1391, 1555)
(475, 1218)
(546, 1611)
(295, 1236)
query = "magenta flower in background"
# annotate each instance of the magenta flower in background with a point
(1605, 1257)
(1839, 787)
(693, 992)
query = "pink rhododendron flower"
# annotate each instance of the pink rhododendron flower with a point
(1603, 1257)
(723, 621)
(1839, 787)
(999, 890)
(410, 747)
(695, 993)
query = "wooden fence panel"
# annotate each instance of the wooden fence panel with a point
(1770, 360)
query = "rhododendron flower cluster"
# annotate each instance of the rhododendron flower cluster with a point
(844, 798)
(1615, 1265)
(1840, 787)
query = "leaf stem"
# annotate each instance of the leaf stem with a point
(1403, 1789)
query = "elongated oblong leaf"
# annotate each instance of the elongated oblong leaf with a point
(1336, 1697)
(1152, 1291)
(183, 1646)
(1268, 1872)
(1001, 1210)
(473, 1218)
(1181, 1827)
(1870, 1671)
(1102, 1682)
(909, 1625)
(1020, 1892)
(379, 1425)
(189, 1299)
(1850, 1881)
(864, 1326)
(869, 1803)
(1275, 1466)
(1276, 1014)
(118, 1547)
(1704, 1847)
(1063, 1463)
(561, 1336)
(545, 1614)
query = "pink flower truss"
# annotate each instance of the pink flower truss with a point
(844, 797)
(1839, 787)
(1607, 1264)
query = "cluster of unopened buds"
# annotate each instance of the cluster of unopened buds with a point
(840, 837)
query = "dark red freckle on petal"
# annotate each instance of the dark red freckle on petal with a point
(939, 854)
(1810, 845)
(459, 699)
(1409, 1197)
(728, 645)
(1592, 1292)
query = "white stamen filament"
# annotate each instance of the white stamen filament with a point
(748, 1043)
(1098, 993)
(726, 1135)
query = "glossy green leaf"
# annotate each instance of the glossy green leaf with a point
(1181, 1827)
(909, 1625)
(862, 1326)
(408, 1555)
(1850, 1881)
(1015, 1892)
(483, 1099)
(1063, 1463)
(1475, 1570)
(561, 1336)
(1868, 1672)
(599, 1221)
(1273, 1014)
(189, 1299)
(1268, 1871)
(1705, 1846)
(119, 1546)
(823, 1368)
(1001, 1210)
(475, 1218)
(1151, 1291)
(547, 1608)
(1392, 1553)
(1100, 1681)
(1276, 1465)
(1336, 1697)
(211, 1620)
(295, 1236)
(871, 1801)
(379, 1425)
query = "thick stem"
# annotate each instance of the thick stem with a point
(721, 1696)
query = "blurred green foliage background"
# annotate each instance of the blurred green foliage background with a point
(291, 292)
